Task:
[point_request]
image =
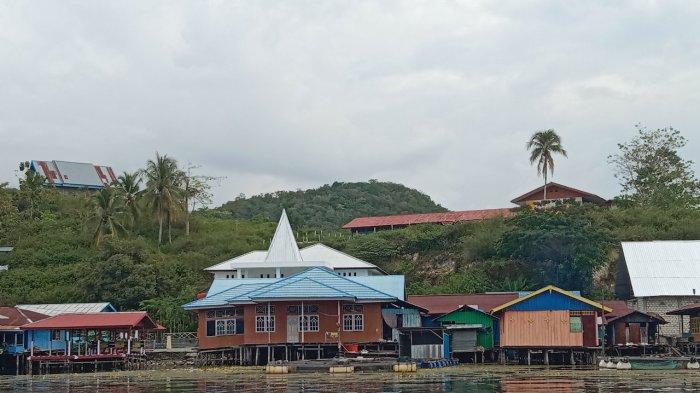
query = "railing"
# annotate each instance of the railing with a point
(169, 341)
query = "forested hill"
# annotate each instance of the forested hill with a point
(332, 205)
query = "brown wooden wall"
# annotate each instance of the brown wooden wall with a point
(538, 329)
(328, 323)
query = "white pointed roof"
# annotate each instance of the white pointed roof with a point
(283, 247)
(284, 252)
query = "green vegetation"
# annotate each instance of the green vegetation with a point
(146, 248)
(332, 205)
(652, 172)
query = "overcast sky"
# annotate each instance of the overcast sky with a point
(440, 96)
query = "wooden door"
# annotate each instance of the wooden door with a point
(292, 328)
(590, 330)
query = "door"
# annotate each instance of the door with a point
(590, 330)
(292, 328)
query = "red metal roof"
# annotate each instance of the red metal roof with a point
(427, 218)
(584, 194)
(13, 317)
(689, 309)
(103, 320)
(442, 304)
(620, 309)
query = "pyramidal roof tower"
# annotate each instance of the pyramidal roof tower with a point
(283, 247)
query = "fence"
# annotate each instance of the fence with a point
(170, 341)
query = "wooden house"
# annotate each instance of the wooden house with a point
(629, 331)
(550, 321)
(471, 332)
(692, 311)
(315, 313)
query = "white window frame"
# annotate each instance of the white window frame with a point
(225, 327)
(356, 322)
(267, 324)
(305, 324)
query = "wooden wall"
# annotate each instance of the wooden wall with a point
(328, 323)
(538, 329)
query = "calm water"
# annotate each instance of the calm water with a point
(456, 379)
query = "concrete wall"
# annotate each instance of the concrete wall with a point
(663, 304)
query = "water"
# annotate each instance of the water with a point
(455, 379)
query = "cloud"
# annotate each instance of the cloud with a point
(440, 96)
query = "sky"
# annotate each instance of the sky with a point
(438, 95)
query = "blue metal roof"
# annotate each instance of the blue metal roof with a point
(551, 301)
(313, 283)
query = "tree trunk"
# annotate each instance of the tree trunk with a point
(160, 228)
(545, 184)
(170, 235)
(187, 217)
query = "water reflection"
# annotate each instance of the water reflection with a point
(460, 379)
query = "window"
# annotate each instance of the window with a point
(308, 309)
(353, 322)
(262, 276)
(309, 323)
(225, 327)
(575, 325)
(55, 334)
(20, 338)
(352, 308)
(227, 276)
(264, 323)
(263, 309)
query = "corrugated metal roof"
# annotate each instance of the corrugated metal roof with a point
(67, 308)
(283, 246)
(5, 248)
(427, 218)
(74, 174)
(663, 267)
(284, 252)
(587, 196)
(313, 283)
(11, 318)
(131, 319)
(442, 304)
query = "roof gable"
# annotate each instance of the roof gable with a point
(570, 191)
(663, 267)
(465, 308)
(283, 246)
(325, 277)
(551, 298)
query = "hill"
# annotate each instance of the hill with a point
(332, 205)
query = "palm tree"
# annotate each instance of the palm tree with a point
(108, 212)
(543, 145)
(162, 178)
(129, 184)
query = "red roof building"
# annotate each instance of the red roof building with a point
(442, 304)
(372, 224)
(95, 321)
(11, 318)
(557, 192)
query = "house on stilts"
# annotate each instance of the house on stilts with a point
(550, 322)
(289, 304)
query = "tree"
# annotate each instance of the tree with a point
(31, 191)
(108, 213)
(195, 191)
(543, 145)
(651, 171)
(561, 246)
(162, 178)
(129, 185)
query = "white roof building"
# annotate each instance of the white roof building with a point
(68, 308)
(284, 257)
(659, 268)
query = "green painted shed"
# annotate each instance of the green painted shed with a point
(482, 323)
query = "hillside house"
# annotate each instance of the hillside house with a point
(557, 193)
(72, 175)
(657, 277)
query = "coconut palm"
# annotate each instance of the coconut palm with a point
(543, 145)
(129, 185)
(108, 213)
(162, 178)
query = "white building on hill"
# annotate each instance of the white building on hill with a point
(284, 258)
(660, 276)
